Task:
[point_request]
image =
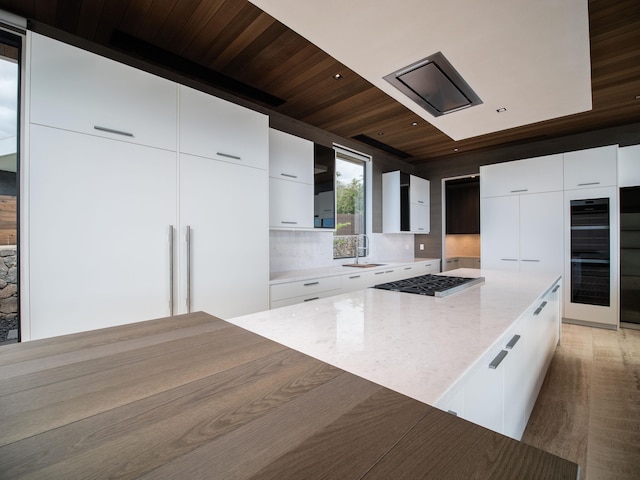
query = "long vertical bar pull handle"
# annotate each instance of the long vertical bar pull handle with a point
(171, 270)
(188, 239)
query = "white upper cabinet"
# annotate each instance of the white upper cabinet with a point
(419, 190)
(290, 205)
(594, 167)
(533, 175)
(76, 90)
(629, 166)
(290, 157)
(405, 203)
(214, 128)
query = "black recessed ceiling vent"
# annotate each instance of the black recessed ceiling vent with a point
(435, 85)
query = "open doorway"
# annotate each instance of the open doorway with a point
(10, 56)
(461, 222)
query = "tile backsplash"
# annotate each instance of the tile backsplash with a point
(290, 250)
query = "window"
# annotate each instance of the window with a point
(351, 174)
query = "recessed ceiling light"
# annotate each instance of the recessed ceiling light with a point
(637, 97)
(455, 149)
(501, 109)
(414, 124)
(380, 133)
(337, 76)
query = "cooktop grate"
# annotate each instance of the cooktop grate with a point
(432, 285)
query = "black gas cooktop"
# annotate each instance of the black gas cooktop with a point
(432, 285)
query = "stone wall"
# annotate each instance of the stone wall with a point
(8, 294)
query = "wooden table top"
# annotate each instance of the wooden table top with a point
(195, 397)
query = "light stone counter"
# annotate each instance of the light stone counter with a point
(413, 344)
(294, 275)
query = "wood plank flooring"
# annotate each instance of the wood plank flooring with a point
(588, 410)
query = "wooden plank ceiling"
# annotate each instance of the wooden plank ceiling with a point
(233, 45)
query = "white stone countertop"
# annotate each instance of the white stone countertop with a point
(413, 344)
(293, 275)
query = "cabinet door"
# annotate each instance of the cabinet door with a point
(76, 90)
(629, 166)
(214, 128)
(484, 392)
(500, 232)
(593, 167)
(542, 232)
(229, 254)
(100, 212)
(419, 190)
(290, 205)
(532, 175)
(419, 218)
(290, 157)
(519, 380)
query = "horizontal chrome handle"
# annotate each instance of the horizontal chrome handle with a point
(513, 341)
(378, 273)
(288, 223)
(310, 299)
(420, 201)
(520, 190)
(540, 308)
(498, 360)
(555, 289)
(530, 260)
(234, 157)
(452, 412)
(288, 175)
(309, 284)
(111, 130)
(509, 259)
(420, 228)
(408, 268)
(355, 276)
(389, 271)
(588, 183)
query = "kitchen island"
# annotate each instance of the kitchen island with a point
(196, 397)
(424, 346)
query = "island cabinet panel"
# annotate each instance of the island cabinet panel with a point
(76, 90)
(224, 271)
(214, 128)
(500, 390)
(99, 248)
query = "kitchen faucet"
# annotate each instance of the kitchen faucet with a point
(365, 246)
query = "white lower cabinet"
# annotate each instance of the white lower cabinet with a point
(500, 390)
(100, 212)
(356, 278)
(220, 203)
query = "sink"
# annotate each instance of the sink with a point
(363, 265)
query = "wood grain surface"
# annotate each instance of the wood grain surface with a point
(195, 397)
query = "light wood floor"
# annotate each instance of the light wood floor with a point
(588, 410)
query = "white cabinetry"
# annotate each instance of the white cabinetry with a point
(306, 290)
(101, 210)
(533, 175)
(214, 128)
(228, 271)
(405, 203)
(500, 390)
(76, 90)
(593, 167)
(290, 182)
(629, 166)
(523, 232)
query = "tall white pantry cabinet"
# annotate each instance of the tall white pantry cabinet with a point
(145, 197)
